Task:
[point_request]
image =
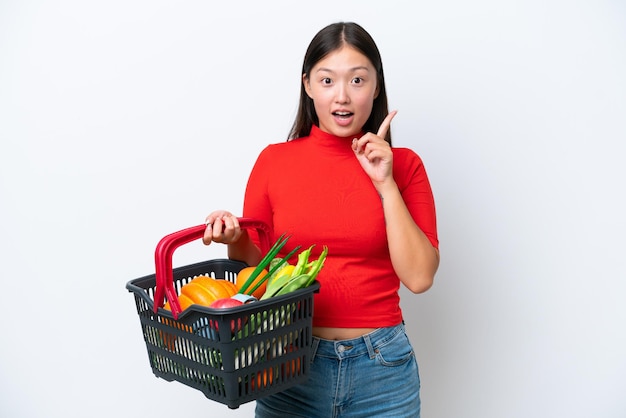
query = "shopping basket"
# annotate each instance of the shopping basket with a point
(234, 355)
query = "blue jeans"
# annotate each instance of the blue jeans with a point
(375, 375)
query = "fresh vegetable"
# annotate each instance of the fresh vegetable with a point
(278, 245)
(303, 259)
(314, 268)
(262, 379)
(273, 264)
(302, 275)
(225, 303)
(294, 283)
(204, 290)
(269, 261)
(285, 270)
(242, 279)
(201, 290)
(231, 302)
(235, 300)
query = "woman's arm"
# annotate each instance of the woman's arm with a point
(244, 250)
(413, 257)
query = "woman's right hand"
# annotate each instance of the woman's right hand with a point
(222, 227)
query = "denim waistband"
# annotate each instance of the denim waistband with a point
(365, 344)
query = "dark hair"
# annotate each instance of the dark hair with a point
(330, 39)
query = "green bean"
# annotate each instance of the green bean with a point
(294, 284)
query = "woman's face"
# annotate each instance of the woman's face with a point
(343, 86)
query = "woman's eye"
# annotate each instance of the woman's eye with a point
(357, 80)
(326, 80)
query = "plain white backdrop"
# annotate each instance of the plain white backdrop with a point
(123, 121)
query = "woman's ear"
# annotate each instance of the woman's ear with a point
(307, 85)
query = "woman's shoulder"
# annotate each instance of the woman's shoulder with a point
(408, 167)
(285, 147)
(282, 151)
(402, 155)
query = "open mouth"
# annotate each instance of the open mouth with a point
(343, 115)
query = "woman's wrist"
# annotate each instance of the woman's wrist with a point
(244, 250)
(387, 187)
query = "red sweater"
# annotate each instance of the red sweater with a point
(315, 190)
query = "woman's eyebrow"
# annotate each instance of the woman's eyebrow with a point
(328, 70)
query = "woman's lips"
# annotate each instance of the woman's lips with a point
(343, 118)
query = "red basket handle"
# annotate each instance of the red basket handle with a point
(165, 251)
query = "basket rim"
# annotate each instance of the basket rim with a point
(132, 287)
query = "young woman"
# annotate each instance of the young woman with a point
(338, 182)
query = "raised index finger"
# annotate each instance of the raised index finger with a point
(384, 127)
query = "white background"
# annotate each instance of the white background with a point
(123, 121)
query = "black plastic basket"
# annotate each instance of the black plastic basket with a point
(234, 355)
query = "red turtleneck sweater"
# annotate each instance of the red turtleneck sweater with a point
(315, 190)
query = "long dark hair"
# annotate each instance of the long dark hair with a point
(330, 39)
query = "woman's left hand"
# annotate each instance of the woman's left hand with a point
(374, 153)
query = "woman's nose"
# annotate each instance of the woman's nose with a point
(342, 95)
